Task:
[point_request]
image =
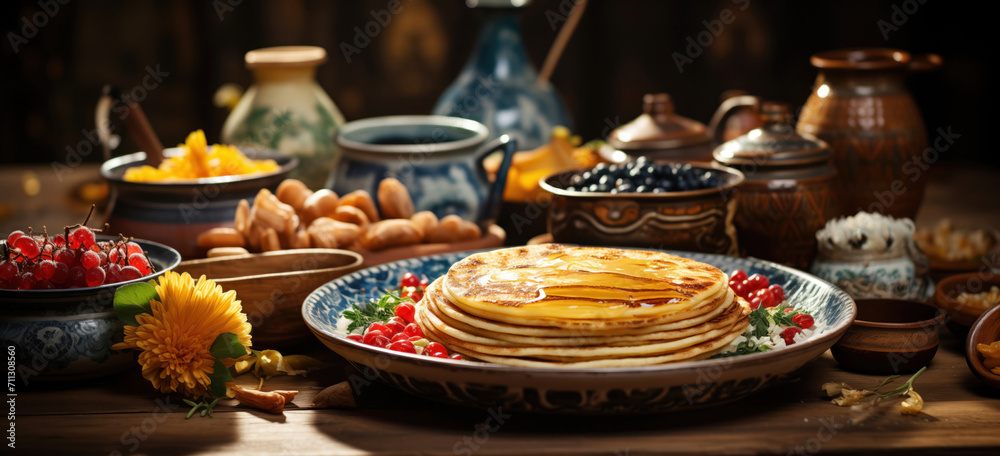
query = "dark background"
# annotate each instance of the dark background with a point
(621, 50)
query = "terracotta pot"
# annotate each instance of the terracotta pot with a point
(861, 107)
(789, 192)
(890, 337)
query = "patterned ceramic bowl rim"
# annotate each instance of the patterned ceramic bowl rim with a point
(114, 170)
(479, 133)
(173, 258)
(734, 178)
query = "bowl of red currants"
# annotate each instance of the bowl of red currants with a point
(56, 294)
(674, 206)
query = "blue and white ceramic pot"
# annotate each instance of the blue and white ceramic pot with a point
(439, 159)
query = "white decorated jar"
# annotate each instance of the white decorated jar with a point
(872, 256)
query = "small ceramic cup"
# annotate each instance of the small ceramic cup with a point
(438, 158)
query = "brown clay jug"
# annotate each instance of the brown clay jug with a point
(861, 107)
(789, 192)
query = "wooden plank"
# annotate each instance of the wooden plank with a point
(793, 418)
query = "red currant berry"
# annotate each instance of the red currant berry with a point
(94, 276)
(13, 236)
(7, 269)
(413, 329)
(409, 280)
(756, 282)
(61, 274)
(404, 346)
(738, 275)
(90, 259)
(803, 320)
(435, 347)
(371, 335)
(139, 261)
(129, 273)
(406, 311)
(81, 237)
(777, 292)
(27, 246)
(789, 334)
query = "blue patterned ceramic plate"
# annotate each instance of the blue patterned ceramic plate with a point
(649, 389)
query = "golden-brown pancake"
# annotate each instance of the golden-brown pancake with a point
(581, 307)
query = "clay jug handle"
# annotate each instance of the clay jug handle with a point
(729, 107)
(925, 62)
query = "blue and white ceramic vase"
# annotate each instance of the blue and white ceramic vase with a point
(499, 86)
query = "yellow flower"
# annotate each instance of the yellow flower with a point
(175, 340)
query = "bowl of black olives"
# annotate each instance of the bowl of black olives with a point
(675, 206)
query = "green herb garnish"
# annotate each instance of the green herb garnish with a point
(375, 311)
(206, 408)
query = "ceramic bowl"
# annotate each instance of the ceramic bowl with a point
(961, 317)
(66, 335)
(890, 337)
(175, 213)
(272, 286)
(650, 389)
(698, 220)
(986, 330)
(941, 268)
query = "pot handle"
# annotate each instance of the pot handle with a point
(491, 206)
(135, 121)
(729, 107)
(925, 62)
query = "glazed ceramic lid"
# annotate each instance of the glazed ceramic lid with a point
(774, 144)
(658, 128)
(285, 56)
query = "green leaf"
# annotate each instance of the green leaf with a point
(227, 345)
(760, 321)
(375, 311)
(219, 378)
(133, 299)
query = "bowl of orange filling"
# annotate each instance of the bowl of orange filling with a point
(196, 187)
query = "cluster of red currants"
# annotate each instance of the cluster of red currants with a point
(71, 260)
(756, 289)
(401, 333)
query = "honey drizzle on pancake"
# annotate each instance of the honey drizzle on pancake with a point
(563, 284)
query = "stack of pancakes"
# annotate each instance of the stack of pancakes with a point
(553, 305)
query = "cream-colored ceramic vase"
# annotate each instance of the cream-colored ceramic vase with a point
(286, 110)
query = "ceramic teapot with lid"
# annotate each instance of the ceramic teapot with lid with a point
(789, 191)
(660, 134)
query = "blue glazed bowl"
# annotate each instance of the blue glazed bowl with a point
(66, 335)
(439, 159)
(650, 389)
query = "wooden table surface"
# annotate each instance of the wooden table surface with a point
(122, 415)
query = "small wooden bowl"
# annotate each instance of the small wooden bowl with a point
(273, 285)
(960, 317)
(985, 330)
(890, 336)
